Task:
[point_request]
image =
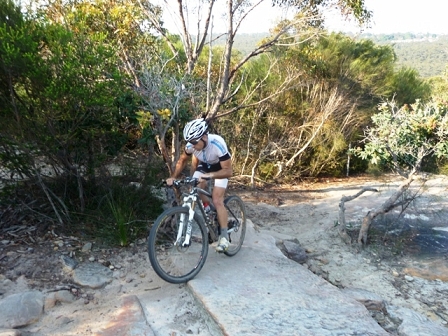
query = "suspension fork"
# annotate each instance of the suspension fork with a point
(190, 201)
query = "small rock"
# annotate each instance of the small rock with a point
(92, 259)
(63, 296)
(68, 264)
(408, 278)
(395, 273)
(21, 309)
(295, 251)
(92, 275)
(86, 248)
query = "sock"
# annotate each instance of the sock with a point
(224, 234)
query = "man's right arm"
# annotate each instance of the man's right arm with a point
(180, 165)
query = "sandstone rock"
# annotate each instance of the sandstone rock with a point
(128, 320)
(370, 300)
(415, 324)
(21, 309)
(92, 275)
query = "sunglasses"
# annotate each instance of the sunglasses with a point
(195, 142)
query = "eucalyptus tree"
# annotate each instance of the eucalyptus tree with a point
(61, 78)
(123, 23)
(67, 74)
(220, 98)
(334, 85)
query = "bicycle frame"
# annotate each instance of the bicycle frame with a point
(190, 201)
(180, 238)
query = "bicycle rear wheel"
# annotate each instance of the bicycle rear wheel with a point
(236, 211)
(173, 262)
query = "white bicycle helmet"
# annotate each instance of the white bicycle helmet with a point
(195, 129)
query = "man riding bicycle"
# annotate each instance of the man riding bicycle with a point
(210, 159)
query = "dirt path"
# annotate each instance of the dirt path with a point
(307, 212)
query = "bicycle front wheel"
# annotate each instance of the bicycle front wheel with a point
(236, 211)
(174, 261)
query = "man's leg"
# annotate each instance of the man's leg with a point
(202, 185)
(218, 201)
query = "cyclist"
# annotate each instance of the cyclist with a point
(211, 159)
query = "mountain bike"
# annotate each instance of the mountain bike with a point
(179, 240)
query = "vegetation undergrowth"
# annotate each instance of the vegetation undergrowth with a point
(114, 211)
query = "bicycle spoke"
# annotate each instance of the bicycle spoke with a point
(172, 261)
(236, 223)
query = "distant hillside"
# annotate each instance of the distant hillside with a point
(245, 43)
(427, 53)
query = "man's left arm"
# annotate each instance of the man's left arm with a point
(225, 172)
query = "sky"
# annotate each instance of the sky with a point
(402, 16)
(389, 16)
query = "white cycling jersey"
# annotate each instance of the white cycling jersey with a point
(210, 156)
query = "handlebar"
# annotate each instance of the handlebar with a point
(178, 183)
(186, 181)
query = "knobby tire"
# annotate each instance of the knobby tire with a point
(236, 211)
(172, 263)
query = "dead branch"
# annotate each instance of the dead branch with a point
(45, 190)
(342, 224)
(390, 204)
